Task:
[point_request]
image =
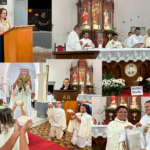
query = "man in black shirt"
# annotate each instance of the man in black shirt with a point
(43, 22)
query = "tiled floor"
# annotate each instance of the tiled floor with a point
(43, 131)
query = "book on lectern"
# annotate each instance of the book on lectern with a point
(137, 45)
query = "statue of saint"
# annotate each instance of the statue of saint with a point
(88, 77)
(123, 101)
(106, 17)
(74, 77)
(85, 17)
(134, 104)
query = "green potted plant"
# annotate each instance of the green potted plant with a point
(74, 86)
(90, 87)
(135, 111)
(2, 107)
(97, 148)
(110, 32)
(147, 85)
(107, 76)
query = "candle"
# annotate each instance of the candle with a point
(22, 120)
(18, 103)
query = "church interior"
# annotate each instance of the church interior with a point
(102, 112)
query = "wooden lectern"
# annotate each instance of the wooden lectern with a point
(76, 55)
(69, 97)
(65, 95)
(17, 44)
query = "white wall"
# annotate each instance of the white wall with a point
(10, 10)
(64, 18)
(15, 71)
(60, 69)
(98, 104)
(125, 10)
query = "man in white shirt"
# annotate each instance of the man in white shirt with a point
(135, 38)
(145, 120)
(73, 43)
(50, 97)
(86, 41)
(57, 119)
(147, 39)
(114, 43)
(126, 41)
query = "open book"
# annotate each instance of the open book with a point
(137, 45)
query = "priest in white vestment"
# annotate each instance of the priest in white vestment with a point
(86, 41)
(147, 39)
(114, 43)
(50, 97)
(57, 119)
(21, 95)
(116, 128)
(135, 38)
(73, 43)
(82, 126)
(126, 41)
(145, 120)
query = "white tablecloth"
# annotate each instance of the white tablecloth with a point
(124, 54)
(86, 97)
(3, 97)
(99, 130)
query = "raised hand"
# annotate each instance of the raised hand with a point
(138, 125)
(128, 127)
(26, 126)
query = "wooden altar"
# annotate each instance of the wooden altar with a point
(97, 15)
(130, 103)
(118, 68)
(81, 77)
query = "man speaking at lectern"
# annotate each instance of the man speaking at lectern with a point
(73, 43)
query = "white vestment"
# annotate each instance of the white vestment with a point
(24, 96)
(134, 39)
(113, 44)
(87, 41)
(125, 43)
(4, 137)
(114, 130)
(148, 41)
(57, 117)
(50, 97)
(145, 120)
(72, 43)
(82, 131)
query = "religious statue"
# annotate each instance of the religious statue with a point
(123, 101)
(74, 77)
(81, 76)
(131, 70)
(134, 104)
(85, 16)
(97, 11)
(88, 77)
(113, 102)
(94, 13)
(106, 17)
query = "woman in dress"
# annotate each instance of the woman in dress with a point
(4, 22)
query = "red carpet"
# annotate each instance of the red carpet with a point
(127, 93)
(38, 143)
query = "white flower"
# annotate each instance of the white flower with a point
(139, 79)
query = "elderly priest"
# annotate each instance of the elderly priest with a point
(135, 38)
(73, 43)
(57, 119)
(114, 43)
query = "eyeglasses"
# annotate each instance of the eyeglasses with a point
(121, 112)
(58, 103)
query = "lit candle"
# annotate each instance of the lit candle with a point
(23, 118)
(18, 103)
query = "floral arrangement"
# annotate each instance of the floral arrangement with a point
(108, 109)
(74, 85)
(2, 107)
(111, 31)
(112, 87)
(136, 110)
(147, 85)
(90, 85)
(139, 79)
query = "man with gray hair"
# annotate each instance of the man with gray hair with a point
(73, 43)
